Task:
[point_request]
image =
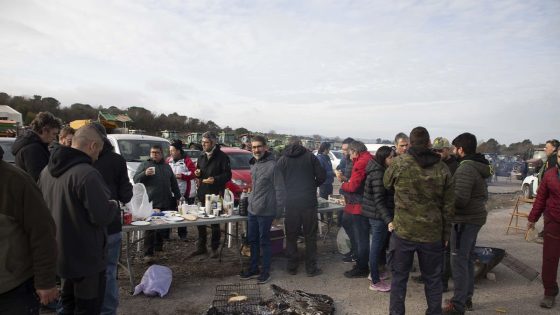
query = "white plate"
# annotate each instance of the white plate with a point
(169, 212)
(174, 219)
(210, 216)
(140, 223)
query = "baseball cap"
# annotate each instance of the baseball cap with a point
(440, 143)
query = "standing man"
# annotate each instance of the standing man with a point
(401, 143)
(343, 173)
(27, 244)
(300, 175)
(423, 210)
(471, 194)
(163, 192)
(213, 172)
(442, 147)
(548, 202)
(31, 149)
(112, 167)
(264, 206)
(79, 201)
(550, 148)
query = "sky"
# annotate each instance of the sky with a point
(366, 69)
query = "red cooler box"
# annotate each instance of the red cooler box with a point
(277, 237)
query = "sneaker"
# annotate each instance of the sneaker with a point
(449, 309)
(380, 286)
(468, 306)
(348, 259)
(356, 273)
(384, 275)
(547, 301)
(247, 275)
(263, 278)
(199, 251)
(314, 272)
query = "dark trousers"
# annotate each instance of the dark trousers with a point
(295, 219)
(446, 274)
(215, 242)
(551, 255)
(360, 226)
(463, 239)
(259, 238)
(347, 226)
(21, 300)
(153, 240)
(430, 258)
(83, 296)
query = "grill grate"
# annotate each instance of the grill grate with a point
(225, 291)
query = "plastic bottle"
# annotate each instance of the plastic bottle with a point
(243, 203)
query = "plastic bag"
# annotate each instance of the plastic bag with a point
(140, 204)
(155, 281)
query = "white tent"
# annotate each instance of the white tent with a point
(8, 113)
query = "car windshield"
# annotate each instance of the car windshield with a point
(7, 148)
(193, 154)
(338, 154)
(240, 161)
(139, 150)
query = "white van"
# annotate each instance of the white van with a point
(136, 149)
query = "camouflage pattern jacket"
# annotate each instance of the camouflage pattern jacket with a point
(424, 196)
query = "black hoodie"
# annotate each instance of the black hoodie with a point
(79, 202)
(31, 153)
(302, 174)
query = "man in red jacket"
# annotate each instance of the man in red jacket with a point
(548, 201)
(354, 191)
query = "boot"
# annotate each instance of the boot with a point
(200, 250)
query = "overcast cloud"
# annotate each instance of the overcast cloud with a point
(366, 69)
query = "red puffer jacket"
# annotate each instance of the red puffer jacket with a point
(354, 187)
(548, 197)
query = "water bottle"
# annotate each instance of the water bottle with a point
(243, 203)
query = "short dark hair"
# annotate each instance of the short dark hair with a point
(348, 140)
(383, 153)
(357, 146)
(399, 136)
(419, 137)
(157, 147)
(259, 138)
(324, 147)
(554, 143)
(467, 141)
(66, 131)
(294, 140)
(45, 120)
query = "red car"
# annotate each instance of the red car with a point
(240, 170)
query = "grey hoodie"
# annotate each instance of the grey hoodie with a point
(263, 200)
(471, 191)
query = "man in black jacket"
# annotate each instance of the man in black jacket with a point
(31, 149)
(112, 167)
(80, 203)
(300, 175)
(213, 171)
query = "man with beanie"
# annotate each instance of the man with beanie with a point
(112, 167)
(423, 211)
(471, 194)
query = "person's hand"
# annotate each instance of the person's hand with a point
(197, 172)
(530, 225)
(47, 295)
(150, 171)
(209, 180)
(390, 226)
(178, 176)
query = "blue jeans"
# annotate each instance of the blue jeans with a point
(378, 232)
(430, 258)
(259, 237)
(463, 239)
(111, 299)
(360, 226)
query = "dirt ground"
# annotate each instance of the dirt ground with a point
(195, 279)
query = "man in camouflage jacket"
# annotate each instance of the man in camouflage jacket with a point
(424, 201)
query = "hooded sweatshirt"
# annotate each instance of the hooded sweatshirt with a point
(31, 153)
(78, 198)
(471, 190)
(424, 196)
(301, 174)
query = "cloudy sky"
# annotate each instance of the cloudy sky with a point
(337, 68)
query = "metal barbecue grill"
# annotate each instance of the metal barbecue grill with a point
(226, 291)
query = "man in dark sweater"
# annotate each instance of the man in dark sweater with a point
(27, 244)
(112, 167)
(471, 194)
(80, 203)
(300, 175)
(31, 149)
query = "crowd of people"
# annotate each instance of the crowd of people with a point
(60, 213)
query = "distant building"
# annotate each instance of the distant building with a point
(194, 137)
(226, 138)
(8, 113)
(169, 134)
(246, 137)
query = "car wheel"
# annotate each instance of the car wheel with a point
(527, 192)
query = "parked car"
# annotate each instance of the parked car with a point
(529, 186)
(240, 170)
(136, 149)
(6, 144)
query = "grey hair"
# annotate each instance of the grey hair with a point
(399, 136)
(357, 146)
(211, 135)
